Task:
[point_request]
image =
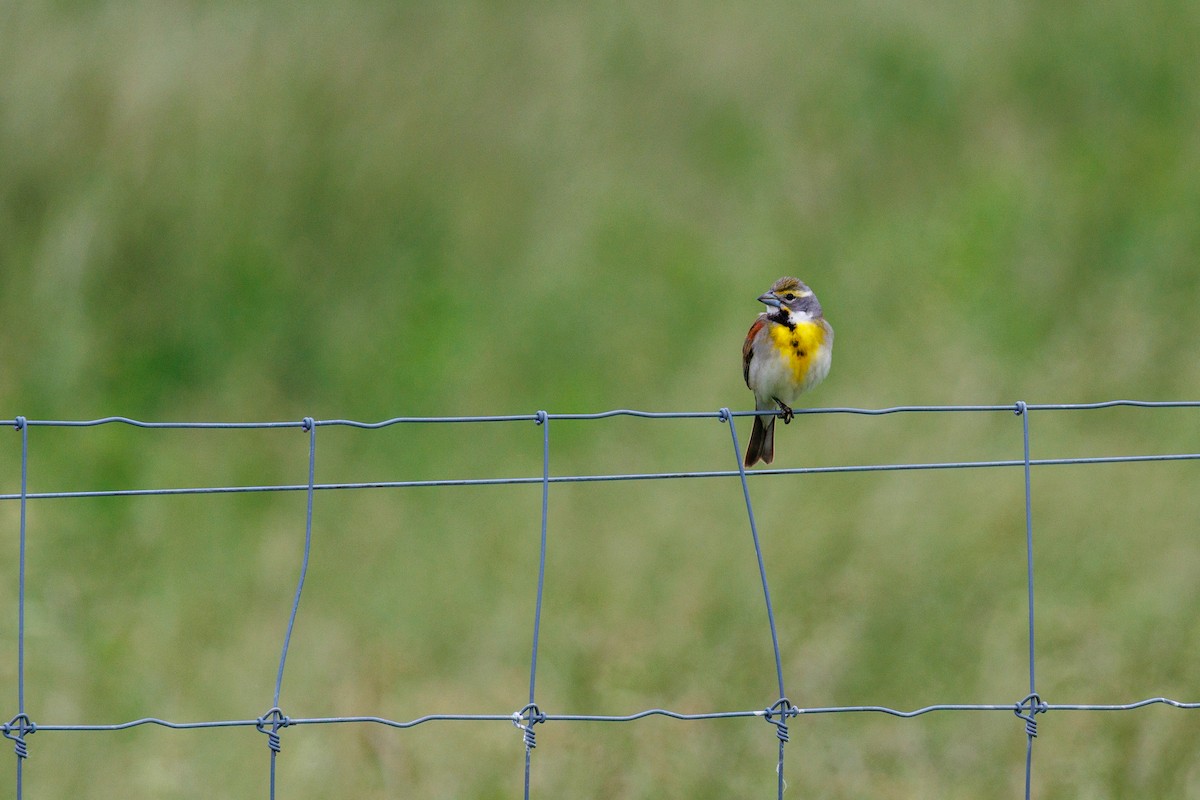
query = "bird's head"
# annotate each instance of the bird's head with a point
(793, 295)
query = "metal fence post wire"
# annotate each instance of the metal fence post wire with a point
(778, 712)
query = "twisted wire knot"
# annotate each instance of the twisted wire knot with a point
(1035, 706)
(542, 417)
(724, 414)
(524, 720)
(781, 708)
(307, 424)
(16, 729)
(276, 719)
(18, 423)
(1020, 408)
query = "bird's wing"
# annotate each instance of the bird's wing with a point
(748, 347)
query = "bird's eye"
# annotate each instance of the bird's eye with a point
(789, 296)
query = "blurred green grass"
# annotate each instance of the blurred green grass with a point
(267, 211)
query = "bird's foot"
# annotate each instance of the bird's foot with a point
(788, 414)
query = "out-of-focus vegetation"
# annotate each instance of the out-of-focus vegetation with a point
(248, 211)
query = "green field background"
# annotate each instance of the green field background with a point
(268, 210)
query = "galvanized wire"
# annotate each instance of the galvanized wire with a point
(1032, 701)
(778, 712)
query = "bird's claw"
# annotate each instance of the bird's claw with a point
(787, 412)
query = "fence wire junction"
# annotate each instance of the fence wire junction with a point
(778, 713)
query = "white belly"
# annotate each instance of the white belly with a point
(773, 374)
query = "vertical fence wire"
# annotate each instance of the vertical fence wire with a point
(1032, 704)
(21, 723)
(271, 723)
(782, 705)
(529, 716)
(1023, 411)
(275, 720)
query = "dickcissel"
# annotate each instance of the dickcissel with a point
(787, 352)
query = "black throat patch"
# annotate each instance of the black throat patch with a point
(782, 317)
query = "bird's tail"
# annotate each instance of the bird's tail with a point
(762, 442)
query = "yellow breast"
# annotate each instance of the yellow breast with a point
(798, 346)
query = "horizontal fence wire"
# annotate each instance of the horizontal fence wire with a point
(778, 712)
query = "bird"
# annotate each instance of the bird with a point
(787, 351)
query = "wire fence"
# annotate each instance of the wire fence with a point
(779, 712)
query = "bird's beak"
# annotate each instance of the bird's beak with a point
(770, 299)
